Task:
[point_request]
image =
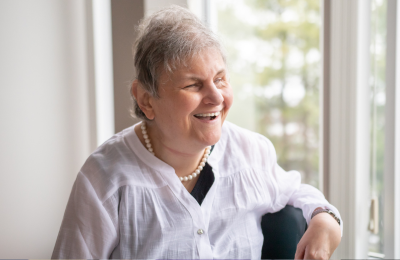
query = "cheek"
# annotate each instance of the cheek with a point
(228, 98)
(185, 106)
(177, 108)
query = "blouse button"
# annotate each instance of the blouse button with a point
(200, 231)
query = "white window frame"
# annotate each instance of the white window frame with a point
(103, 70)
(392, 134)
(346, 119)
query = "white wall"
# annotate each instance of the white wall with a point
(152, 6)
(45, 132)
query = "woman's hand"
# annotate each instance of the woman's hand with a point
(321, 238)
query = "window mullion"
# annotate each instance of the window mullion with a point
(392, 135)
(349, 121)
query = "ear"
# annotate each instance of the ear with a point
(143, 98)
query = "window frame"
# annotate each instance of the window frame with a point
(346, 119)
(102, 68)
(392, 134)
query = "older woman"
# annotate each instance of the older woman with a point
(183, 183)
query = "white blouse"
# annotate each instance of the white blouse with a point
(126, 203)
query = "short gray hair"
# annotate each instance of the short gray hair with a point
(168, 39)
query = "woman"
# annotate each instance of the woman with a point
(182, 183)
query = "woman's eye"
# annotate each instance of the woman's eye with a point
(218, 81)
(192, 86)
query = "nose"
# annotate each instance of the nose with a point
(213, 94)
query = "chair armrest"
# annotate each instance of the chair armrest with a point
(282, 232)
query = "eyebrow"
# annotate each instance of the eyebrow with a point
(194, 78)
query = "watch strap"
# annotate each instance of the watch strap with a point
(330, 212)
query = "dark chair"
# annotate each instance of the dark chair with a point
(282, 231)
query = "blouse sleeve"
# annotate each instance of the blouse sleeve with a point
(87, 231)
(290, 191)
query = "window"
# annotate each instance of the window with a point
(274, 62)
(391, 173)
(378, 99)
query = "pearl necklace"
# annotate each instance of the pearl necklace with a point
(188, 177)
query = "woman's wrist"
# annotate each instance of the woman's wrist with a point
(323, 210)
(324, 234)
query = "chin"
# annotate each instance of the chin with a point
(212, 138)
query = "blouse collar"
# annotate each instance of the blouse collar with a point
(142, 153)
(153, 162)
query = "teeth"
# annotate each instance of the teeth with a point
(208, 114)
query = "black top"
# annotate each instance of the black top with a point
(204, 183)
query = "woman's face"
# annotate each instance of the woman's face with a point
(186, 97)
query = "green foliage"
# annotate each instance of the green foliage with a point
(378, 89)
(291, 30)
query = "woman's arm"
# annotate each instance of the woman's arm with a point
(321, 238)
(324, 232)
(87, 231)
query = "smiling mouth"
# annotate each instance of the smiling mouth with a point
(208, 116)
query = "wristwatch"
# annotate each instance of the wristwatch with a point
(330, 212)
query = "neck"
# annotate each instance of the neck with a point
(183, 161)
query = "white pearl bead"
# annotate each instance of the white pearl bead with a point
(203, 160)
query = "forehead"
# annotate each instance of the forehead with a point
(206, 63)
